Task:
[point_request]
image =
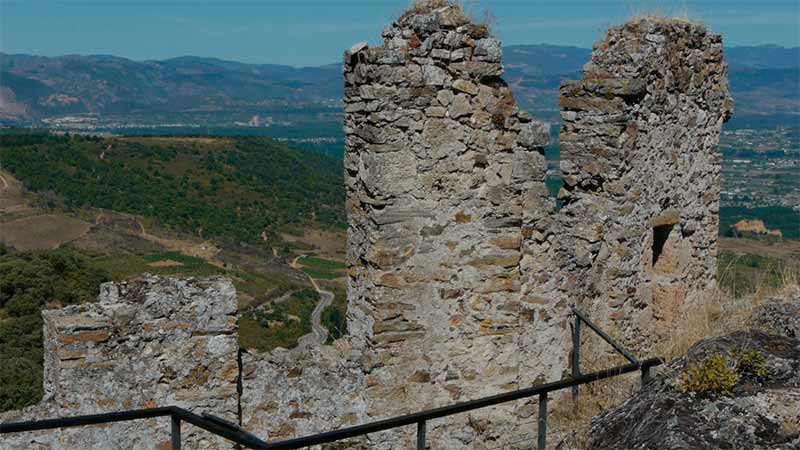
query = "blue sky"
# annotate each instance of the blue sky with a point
(313, 32)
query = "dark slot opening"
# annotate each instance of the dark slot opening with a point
(660, 236)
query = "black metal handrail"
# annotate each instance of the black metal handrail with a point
(236, 434)
(444, 411)
(207, 422)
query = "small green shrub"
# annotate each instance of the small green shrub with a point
(712, 376)
(718, 374)
(750, 364)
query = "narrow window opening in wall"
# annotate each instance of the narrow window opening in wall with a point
(553, 181)
(660, 236)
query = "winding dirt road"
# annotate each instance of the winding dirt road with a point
(319, 334)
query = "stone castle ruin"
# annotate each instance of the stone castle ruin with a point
(461, 267)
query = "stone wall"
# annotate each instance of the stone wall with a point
(461, 268)
(146, 343)
(303, 391)
(641, 171)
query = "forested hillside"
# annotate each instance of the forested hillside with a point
(28, 283)
(242, 189)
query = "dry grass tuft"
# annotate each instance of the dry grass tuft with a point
(570, 420)
(790, 428)
(725, 312)
(428, 6)
(678, 15)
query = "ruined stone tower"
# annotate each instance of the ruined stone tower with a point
(462, 269)
(641, 175)
(439, 165)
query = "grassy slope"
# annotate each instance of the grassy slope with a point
(747, 266)
(272, 327)
(233, 188)
(320, 268)
(41, 232)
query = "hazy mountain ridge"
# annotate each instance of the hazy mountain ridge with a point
(43, 87)
(764, 80)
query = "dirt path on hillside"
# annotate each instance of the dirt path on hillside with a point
(12, 198)
(319, 334)
(775, 249)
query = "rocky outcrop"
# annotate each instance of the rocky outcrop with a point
(779, 315)
(761, 412)
(146, 343)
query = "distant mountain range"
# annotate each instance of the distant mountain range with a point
(764, 80)
(35, 87)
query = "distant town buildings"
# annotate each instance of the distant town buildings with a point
(761, 166)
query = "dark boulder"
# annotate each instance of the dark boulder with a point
(761, 410)
(779, 315)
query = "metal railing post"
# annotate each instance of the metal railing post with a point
(176, 433)
(619, 348)
(576, 354)
(542, 421)
(421, 435)
(645, 375)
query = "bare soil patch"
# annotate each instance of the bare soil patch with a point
(328, 244)
(165, 263)
(178, 140)
(776, 249)
(205, 250)
(12, 194)
(41, 232)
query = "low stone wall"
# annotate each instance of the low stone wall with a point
(146, 343)
(303, 391)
